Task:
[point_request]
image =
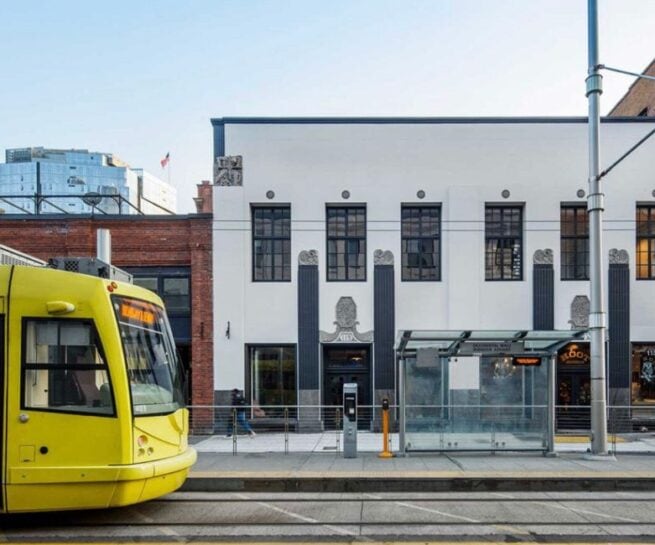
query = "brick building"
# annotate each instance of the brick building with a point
(640, 99)
(171, 255)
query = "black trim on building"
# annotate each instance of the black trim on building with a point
(619, 353)
(219, 139)
(543, 297)
(384, 326)
(308, 337)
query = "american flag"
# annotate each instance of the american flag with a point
(165, 160)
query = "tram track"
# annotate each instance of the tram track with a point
(356, 517)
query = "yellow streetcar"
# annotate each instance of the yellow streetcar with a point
(91, 393)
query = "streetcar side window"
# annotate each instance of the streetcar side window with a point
(64, 369)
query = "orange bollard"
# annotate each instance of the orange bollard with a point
(386, 453)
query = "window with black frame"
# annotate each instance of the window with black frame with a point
(271, 243)
(574, 242)
(346, 243)
(420, 242)
(503, 242)
(64, 369)
(273, 379)
(174, 290)
(645, 242)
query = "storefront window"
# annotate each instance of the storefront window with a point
(643, 374)
(273, 378)
(175, 294)
(147, 282)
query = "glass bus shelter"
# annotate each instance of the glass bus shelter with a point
(478, 390)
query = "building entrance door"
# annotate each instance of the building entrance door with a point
(343, 365)
(573, 388)
(573, 401)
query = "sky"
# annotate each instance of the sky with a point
(140, 79)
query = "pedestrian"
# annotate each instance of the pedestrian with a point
(239, 404)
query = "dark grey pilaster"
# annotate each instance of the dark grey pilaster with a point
(219, 140)
(619, 355)
(384, 326)
(308, 340)
(543, 290)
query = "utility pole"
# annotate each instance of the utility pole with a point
(597, 315)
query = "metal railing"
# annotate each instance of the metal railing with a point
(318, 428)
(295, 428)
(97, 203)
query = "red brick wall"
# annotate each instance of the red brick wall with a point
(137, 242)
(640, 96)
(204, 201)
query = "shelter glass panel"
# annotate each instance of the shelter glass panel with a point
(474, 403)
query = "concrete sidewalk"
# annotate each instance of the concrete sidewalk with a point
(330, 472)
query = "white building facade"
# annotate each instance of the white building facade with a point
(52, 181)
(330, 235)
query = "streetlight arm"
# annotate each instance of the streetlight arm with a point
(633, 148)
(626, 72)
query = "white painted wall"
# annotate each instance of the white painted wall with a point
(461, 166)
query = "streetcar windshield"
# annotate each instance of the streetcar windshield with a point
(156, 383)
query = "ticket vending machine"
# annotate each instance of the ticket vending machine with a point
(350, 420)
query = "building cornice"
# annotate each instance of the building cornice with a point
(218, 121)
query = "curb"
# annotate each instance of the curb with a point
(408, 484)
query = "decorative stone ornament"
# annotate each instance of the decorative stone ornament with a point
(346, 322)
(345, 194)
(382, 257)
(580, 193)
(505, 194)
(420, 194)
(308, 257)
(580, 307)
(270, 194)
(619, 257)
(228, 170)
(543, 257)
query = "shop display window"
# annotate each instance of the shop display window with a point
(643, 374)
(272, 379)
